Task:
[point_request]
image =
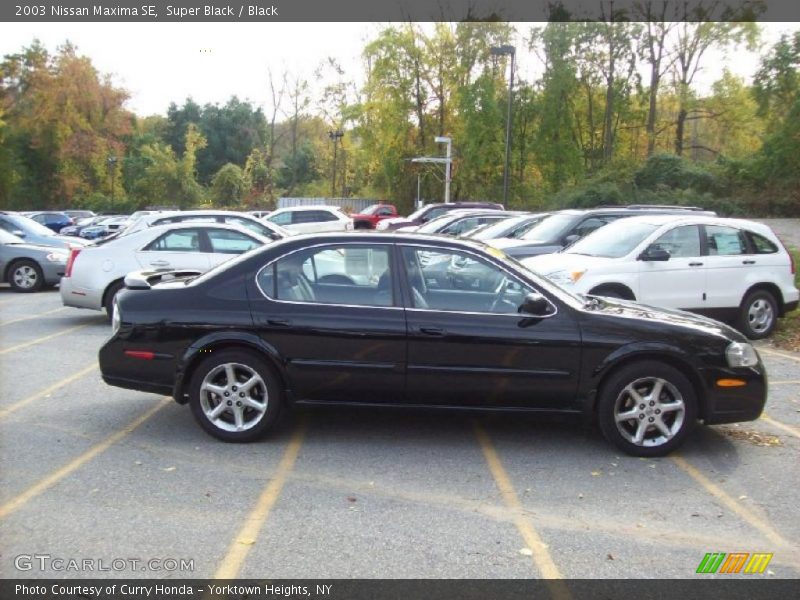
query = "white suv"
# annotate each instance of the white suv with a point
(729, 269)
(311, 219)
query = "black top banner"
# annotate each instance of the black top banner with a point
(397, 10)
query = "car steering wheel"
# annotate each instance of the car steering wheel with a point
(499, 294)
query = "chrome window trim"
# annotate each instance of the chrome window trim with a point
(323, 245)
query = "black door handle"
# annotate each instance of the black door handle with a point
(748, 262)
(278, 322)
(695, 264)
(432, 331)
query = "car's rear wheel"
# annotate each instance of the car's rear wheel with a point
(235, 396)
(25, 276)
(647, 408)
(110, 296)
(758, 315)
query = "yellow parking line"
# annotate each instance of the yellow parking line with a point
(787, 428)
(240, 546)
(49, 481)
(781, 354)
(4, 412)
(29, 317)
(745, 514)
(541, 555)
(42, 339)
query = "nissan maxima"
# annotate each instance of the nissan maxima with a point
(342, 319)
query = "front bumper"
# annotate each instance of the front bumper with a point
(734, 404)
(73, 295)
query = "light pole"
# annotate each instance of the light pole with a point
(112, 164)
(504, 51)
(335, 136)
(448, 161)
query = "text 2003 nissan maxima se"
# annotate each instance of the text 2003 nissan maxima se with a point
(343, 318)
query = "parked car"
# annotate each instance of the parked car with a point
(28, 267)
(372, 215)
(76, 214)
(311, 219)
(36, 233)
(457, 222)
(81, 224)
(55, 221)
(246, 220)
(431, 211)
(566, 227)
(730, 269)
(512, 227)
(263, 333)
(105, 227)
(95, 274)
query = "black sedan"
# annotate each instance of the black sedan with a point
(346, 319)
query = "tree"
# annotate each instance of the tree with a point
(228, 187)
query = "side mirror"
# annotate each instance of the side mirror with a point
(571, 239)
(535, 304)
(652, 253)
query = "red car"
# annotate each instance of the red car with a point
(370, 216)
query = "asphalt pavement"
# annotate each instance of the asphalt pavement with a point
(99, 474)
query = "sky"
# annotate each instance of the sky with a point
(159, 63)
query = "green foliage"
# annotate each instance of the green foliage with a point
(229, 186)
(671, 171)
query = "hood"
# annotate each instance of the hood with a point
(627, 309)
(560, 261)
(503, 243)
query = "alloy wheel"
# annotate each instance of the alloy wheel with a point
(233, 397)
(649, 412)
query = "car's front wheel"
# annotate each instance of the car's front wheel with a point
(647, 408)
(235, 396)
(26, 276)
(758, 315)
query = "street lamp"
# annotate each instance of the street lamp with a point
(335, 136)
(112, 164)
(446, 140)
(506, 50)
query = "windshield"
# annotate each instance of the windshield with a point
(550, 228)
(614, 240)
(9, 238)
(371, 209)
(435, 224)
(29, 225)
(501, 228)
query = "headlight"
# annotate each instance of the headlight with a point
(740, 354)
(115, 319)
(57, 257)
(565, 277)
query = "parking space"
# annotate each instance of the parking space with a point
(91, 471)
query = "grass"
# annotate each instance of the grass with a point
(787, 333)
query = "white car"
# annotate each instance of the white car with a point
(95, 274)
(311, 219)
(246, 220)
(729, 269)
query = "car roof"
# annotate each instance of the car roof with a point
(312, 207)
(677, 219)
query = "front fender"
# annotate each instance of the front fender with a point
(224, 339)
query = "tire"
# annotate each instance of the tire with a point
(758, 315)
(25, 276)
(111, 293)
(219, 414)
(628, 392)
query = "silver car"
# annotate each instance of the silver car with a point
(96, 273)
(29, 267)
